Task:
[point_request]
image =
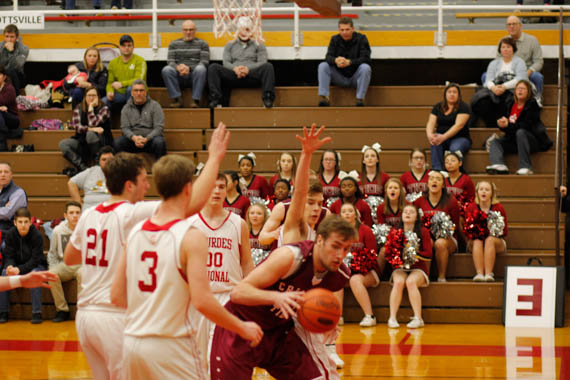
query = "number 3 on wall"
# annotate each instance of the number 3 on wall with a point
(143, 286)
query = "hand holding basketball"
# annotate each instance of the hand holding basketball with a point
(288, 303)
(320, 311)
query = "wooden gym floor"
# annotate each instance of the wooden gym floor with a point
(438, 351)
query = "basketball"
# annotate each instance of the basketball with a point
(320, 310)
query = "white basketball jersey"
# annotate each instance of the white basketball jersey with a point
(157, 290)
(224, 243)
(100, 235)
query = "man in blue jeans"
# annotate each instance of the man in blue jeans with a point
(347, 63)
(187, 63)
(23, 253)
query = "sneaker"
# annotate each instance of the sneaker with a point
(415, 323)
(487, 143)
(177, 103)
(324, 101)
(195, 103)
(331, 348)
(368, 321)
(539, 100)
(393, 323)
(61, 316)
(479, 278)
(340, 321)
(525, 171)
(36, 318)
(359, 102)
(490, 277)
(441, 279)
(4, 317)
(497, 169)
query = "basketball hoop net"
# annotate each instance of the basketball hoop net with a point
(228, 12)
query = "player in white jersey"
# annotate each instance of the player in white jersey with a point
(229, 255)
(98, 240)
(160, 275)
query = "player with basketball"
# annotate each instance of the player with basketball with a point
(229, 255)
(97, 242)
(272, 292)
(161, 274)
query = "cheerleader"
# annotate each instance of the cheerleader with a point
(415, 277)
(438, 199)
(415, 180)
(281, 192)
(328, 174)
(235, 201)
(256, 217)
(358, 281)
(350, 193)
(390, 211)
(372, 177)
(252, 185)
(286, 169)
(457, 183)
(486, 248)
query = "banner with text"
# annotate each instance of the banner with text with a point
(24, 21)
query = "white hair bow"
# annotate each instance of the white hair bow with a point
(442, 172)
(457, 153)
(250, 155)
(352, 174)
(376, 147)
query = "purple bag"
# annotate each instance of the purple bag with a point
(47, 124)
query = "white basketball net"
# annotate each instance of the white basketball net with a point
(227, 13)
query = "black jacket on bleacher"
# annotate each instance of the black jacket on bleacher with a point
(357, 49)
(26, 252)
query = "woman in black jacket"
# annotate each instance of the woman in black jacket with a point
(97, 76)
(524, 132)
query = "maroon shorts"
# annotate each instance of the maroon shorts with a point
(281, 352)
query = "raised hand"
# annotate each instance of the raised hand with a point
(219, 142)
(310, 141)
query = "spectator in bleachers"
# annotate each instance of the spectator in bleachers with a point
(256, 216)
(286, 169)
(142, 124)
(9, 121)
(127, 4)
(60, 237)
(123, 71)
(528, 48)
(447, 127)
(92, 124)
(12, 197)
(415, 180)
(235, 201)
(23, 253)
(350, 193)
(524, 132)
(347, 63)
(252, 185)
(329, 170)
(503, 73)
(372, 177)
(92, 182)
(244, 65)
(437, 199)
(13, 55)
(96, 76)
(187, 62)
(281, 193)
(485, 247)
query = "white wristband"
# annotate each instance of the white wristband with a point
(15, 281)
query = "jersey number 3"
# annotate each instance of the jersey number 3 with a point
(92, 246)
(153, 257)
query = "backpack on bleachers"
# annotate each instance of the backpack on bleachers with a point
(47, 124)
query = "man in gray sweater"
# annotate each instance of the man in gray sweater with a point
(142, 124)
(244, 65)
(13, 55)
(187, 62)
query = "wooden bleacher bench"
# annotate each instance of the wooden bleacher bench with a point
(472, 16)
(21, 302)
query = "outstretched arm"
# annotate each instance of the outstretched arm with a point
(205, 183)
(30, 280)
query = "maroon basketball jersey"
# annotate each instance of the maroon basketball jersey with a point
(373, 187)
(301, 279)
(413, 184)
(238, 206)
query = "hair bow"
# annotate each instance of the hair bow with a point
(376, 147)
(456, 153)
(250, 155)
(199, 168)
(352, 174)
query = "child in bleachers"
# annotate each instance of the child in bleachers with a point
(281, 192)
(235, 201)
(415, 180)
(418, 273)
(372, 178)
(256, 217)
(286, 169)
(485, 240)
(329, 169)
(252, 185)
(360, 281)
(74, 78)
(438, 199)
(350, 193)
